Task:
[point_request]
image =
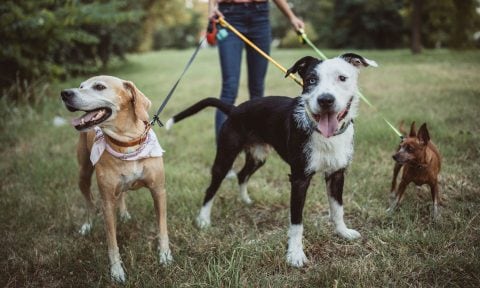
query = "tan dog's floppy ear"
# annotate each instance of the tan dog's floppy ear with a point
(140, 102)
(413, 130)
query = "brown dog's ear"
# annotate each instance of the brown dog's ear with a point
(140, 102)
(413, 130)
(357, 60)
(301, 66)
(423, 134)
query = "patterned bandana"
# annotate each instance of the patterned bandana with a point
(149, 148)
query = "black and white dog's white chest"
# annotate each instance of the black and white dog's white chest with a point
(329, 155)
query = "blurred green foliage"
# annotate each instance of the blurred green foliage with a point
(44, 40)
(51, 39)
(382, 24)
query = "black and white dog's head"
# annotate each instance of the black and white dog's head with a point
(330, 89)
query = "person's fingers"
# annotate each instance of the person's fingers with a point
(214, 14)
(297, 23)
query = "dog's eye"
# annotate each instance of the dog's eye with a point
(342, 78)
(409, 149)
(99, 87)
(312, 81)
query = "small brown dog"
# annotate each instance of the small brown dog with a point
(116, 143)
(421, 163)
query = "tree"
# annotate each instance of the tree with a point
(367, 24)
(416, 41)
(51, 39)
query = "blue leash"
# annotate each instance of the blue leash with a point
(169, 95)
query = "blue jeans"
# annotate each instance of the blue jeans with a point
(252, 20)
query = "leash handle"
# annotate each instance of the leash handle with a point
(156, 119)
(225, 24)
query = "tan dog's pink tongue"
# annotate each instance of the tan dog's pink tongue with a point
(87, 117)
(328, 124)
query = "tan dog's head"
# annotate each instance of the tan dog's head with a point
(107, 101)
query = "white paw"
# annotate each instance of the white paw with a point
(202, 222)
(244, 194)
(231, 174)
(296, 258)
(165, 257)
(348, 234)
(125, 216)
(85, 229)
(247, 200)
(117, 273)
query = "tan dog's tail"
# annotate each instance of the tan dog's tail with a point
(197, 107)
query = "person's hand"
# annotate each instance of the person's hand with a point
(297, 23)
(215, 13)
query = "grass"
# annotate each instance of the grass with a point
(42, 208)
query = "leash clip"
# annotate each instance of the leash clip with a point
(156, 120)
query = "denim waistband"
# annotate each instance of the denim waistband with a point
(245, 4)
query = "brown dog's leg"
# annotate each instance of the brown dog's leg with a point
(400, 192)
(396, 170)
(159, 196)
(85, 181)
(108, 207)
(435, 197)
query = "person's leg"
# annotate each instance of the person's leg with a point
(259, 33)
(230, 52)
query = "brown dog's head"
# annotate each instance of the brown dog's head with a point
(107, 101)
(412, 148)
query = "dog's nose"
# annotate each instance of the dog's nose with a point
(326, 100)
(66, 94)
(394, 156)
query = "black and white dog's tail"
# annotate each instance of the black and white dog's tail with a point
(197, 107)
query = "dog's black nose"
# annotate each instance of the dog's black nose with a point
(66, 94)
(394, 156)
(326, 100)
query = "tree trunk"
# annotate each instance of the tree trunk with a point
(416, 44)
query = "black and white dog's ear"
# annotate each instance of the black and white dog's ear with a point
(302, 65)
(357, 60)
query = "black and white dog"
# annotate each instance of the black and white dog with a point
(312, 133)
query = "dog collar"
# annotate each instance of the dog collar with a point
(344, 126)
(132, 143)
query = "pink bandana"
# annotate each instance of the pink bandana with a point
(149, 148)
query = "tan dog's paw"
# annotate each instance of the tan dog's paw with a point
(165, 257)
(117, 273)
(85, 229)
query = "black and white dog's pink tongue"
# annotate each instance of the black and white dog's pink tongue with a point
(327, 124)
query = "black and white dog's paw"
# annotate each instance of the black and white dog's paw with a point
(296, 258)
(202, 222)
(349, 234)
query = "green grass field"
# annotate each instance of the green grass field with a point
(41, 208)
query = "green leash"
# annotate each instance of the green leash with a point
(305, 39)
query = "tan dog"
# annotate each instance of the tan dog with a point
(120, 110)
